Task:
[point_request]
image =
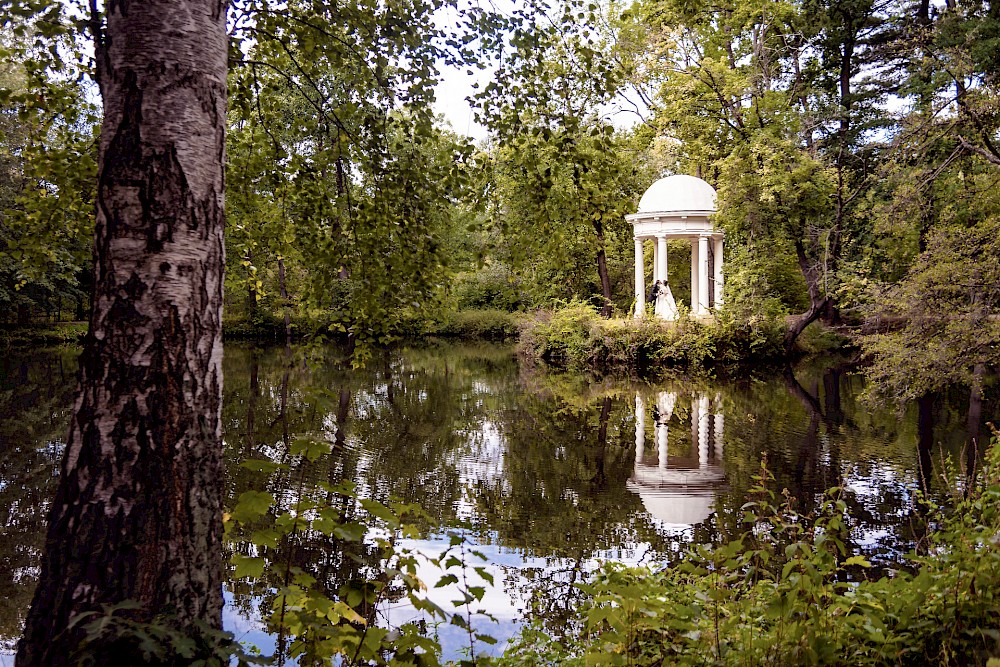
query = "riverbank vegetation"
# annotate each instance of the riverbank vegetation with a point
(296, 426)
(783, 591)
(578, 338)
(786, 592)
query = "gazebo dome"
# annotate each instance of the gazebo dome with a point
(678, 193)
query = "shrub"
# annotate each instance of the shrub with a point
(263, 326)
(576, 336)
(496, 325)
(786, 593)
(62, 333)
(493, 287)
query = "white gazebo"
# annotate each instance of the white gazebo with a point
(679, 490)
(678, 207)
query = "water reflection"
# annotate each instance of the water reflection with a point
(679, 489)
(35, 396)
(550, 472)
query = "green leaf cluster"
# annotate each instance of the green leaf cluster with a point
(787, 593)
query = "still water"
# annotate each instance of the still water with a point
(546, 474)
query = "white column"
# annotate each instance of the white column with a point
(720, 425)
(703, 431)
(694, 276)
(640, 427)
(661, 258)
(702, 275)
(662, 439)
(717, 250)
(694, 423)
(656, 260)
(640, 280)
(665, 402)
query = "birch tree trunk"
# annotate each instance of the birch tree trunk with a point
(138, 512)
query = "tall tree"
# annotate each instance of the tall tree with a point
(770, 99)
(47, 177)
(138, 512)
(565, 180)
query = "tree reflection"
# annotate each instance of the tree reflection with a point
(557, 470)
(35, 400)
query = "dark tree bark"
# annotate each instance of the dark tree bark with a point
(972, 424)
(831, 395)
(818, 302)
(925, 441)
(138, 512)
(250, 446)
(602, 271)
(600, 478)
(805, 462)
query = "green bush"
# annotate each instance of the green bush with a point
(37, 335)
(493, 287)
(577, 337)
(494, 325)
(267, 327)
(786, 593)
(820, 339)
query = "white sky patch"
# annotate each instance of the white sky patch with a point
(497, 601)
(451, 99)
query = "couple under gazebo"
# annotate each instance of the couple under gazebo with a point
(678, 207)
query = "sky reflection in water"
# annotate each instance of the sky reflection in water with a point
(549, 474)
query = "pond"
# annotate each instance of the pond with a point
(546, 474)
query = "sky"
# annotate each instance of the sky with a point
(455, 86)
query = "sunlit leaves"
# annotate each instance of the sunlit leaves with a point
(47, 169)
(252, 505)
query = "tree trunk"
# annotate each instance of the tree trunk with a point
(831, 394)
(138, 512)
(602, 271)
(283, 290)
(600, 478)
(252, 305)
(925, 442)
(805, 463)
(972, 426)
(250, 446)
(818, 303)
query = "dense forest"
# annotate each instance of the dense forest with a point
(853, 146)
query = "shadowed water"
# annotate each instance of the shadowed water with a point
(547, 473)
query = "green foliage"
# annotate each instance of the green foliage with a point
(819, 340)
(40, 335)
(941, 321)
(576, 337)
(315, 624)
(497, 325)
(47, 173)
(561, 179)
(786, 593)
(342, 185)
(492, 287)
(162, 642)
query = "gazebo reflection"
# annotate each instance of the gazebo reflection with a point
(679, 488)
